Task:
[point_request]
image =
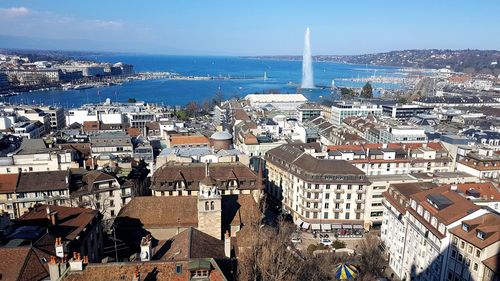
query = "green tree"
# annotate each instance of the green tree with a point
(347, 93)
(131, 100)
(367, 91)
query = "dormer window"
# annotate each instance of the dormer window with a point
(481, 235)
(465, 227)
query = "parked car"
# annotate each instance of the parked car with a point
(325, 241)
(296, 240)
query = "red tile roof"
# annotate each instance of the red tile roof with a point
(187, 140)
(73, 220)
(21, 263)
(134, 132)
(489, 224)
(8, 183)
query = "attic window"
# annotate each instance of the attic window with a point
(178, 268)
(481, 235)
(465, 227)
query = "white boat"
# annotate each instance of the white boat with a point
(83, 87)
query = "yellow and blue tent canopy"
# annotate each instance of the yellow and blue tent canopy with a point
(345, 271)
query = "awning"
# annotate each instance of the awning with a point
(326, 227)
(347, 226)
(357, 226)
(298, 222)
(315, 226)
(336, 226)
(305, 225)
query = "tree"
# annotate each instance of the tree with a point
(347, 93)
(132, 100)
(367, 91)
(95, 200)
(192, 108)
(218, 97)
(269, 257)
(371, 259)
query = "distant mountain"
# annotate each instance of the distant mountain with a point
(469, 61)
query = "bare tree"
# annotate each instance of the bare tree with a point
(371, 259)
(192, 108)
(270, 256)
(95, 201)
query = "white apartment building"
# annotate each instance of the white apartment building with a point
(403, 134)
(475, 246)
(34, 156)
(100, 191)
(374, 210)
(320, 194)
(416, 229)
(343, 109)
(390, 159)
(287, 103)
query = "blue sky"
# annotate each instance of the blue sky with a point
(254, 27)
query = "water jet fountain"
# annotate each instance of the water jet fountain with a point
(307, 71)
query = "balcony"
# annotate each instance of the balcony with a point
(309, 199)
(339, 191)
(360, 201)
(338, 200)
(360, 191)
(338, 209)
(359, 210)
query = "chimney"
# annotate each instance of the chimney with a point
(227, 244)
(53, 218)
(60, 248)
(145, 254)
(54, 269)
(137, 275)
(76, 263)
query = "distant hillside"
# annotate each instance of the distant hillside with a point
(51, 55)
(470, 61)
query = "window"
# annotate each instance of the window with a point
(336, 215)
(462, 244)
(348, 196)
(460, 257)
(470, 249)
(325, 215)
(348, 206)
(475, 267)
(347, 216)
(337, 196)
(111, 193)
(337, 206)
(349, 187)
(478, 253)
(480, 235)
(327, 205)
(465, 227)
(327, 186)
(206, 206)
(112, 213)
(327, 196)
(360, 196)
(453, 253)
(454, 241)
(178, 268)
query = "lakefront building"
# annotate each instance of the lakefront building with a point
(322, 195)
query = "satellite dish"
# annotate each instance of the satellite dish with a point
(144, 255)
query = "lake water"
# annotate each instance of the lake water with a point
(283, 76)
